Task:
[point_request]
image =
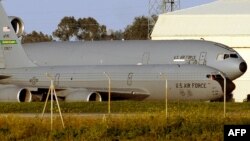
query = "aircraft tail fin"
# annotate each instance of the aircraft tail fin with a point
(12, 54)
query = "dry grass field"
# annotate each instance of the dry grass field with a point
(130, 120)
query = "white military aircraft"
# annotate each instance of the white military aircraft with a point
(137, 69)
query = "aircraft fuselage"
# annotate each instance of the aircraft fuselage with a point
(207, 53)
(148, 81)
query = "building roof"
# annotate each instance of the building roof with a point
(219, 18)
(219, 7)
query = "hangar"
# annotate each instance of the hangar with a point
(223, 21)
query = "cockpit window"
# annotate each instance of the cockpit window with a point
(233, 56)
(214, 76)
(226, 56)
(218, 76)
(221, 57)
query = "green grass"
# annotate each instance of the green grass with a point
(145, 120)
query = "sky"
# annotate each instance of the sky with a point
(45, 15)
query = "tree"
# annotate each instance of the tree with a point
(138, 30)
(90, 29)
(114, 35)
(81, 29)
(66, 29)
(36, 37)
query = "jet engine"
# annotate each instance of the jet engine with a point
(17, 25)
(83, 95)
(11, 93)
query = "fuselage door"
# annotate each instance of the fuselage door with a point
(202, 59)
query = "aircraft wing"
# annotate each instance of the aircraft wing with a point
(123, 93)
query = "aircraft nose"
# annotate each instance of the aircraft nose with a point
(243, 67)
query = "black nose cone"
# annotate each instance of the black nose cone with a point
(243, 67)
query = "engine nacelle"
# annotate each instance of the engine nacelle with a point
(83, 95)
(24, 95)
(17, 25)
(11, 93)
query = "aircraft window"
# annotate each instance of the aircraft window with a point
(226, 56)
(211, 76)
(233, 56)
(220, 57)
(218, 76)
